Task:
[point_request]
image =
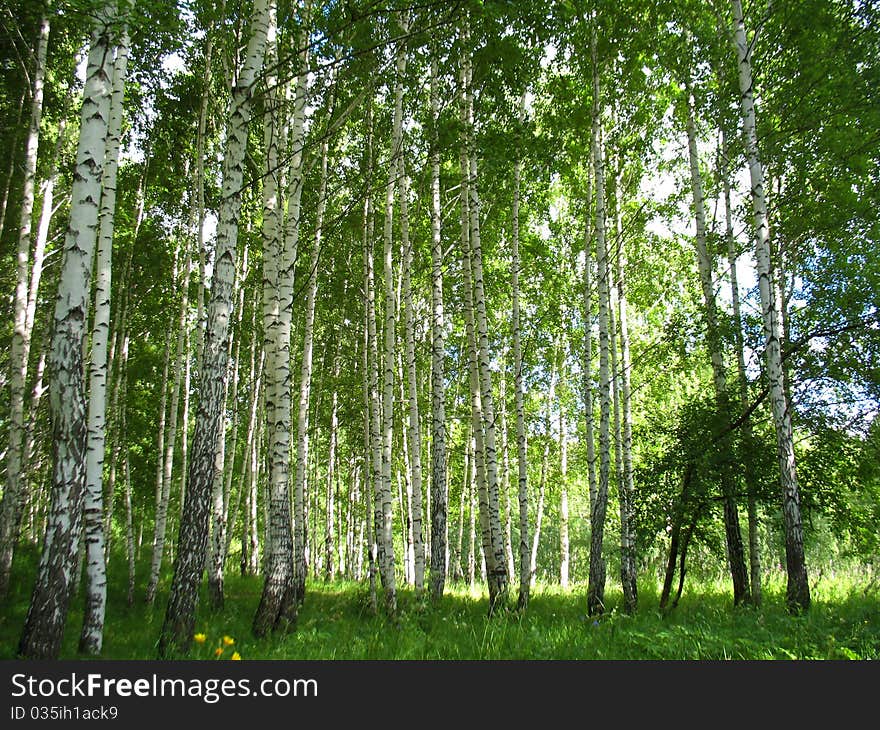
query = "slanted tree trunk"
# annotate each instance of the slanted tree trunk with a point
(221, 497)
(384, 512)
(13, 496)
(92, 636)
(735, 553)
(177, 630)
(798, 587)
(47, 612)
(751, 478)
(493, 547)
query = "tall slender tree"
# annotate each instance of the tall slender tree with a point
(798, 587)
(177, 629)
(47, 613)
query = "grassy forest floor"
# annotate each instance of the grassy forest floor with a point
(336, 623)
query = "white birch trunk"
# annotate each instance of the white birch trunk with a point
(91, 638)
(372, 405)
(13, 496)
(278, 605)
(596, 587)
(439, 496)
(626, 487)
(545, 460)
(496, 567)
(47, 613)
(525, 569)
(414, 431)
(177, 631)
(383, 496)
(564, 548)
(798, 588)
(705, 263)
(159, 525)
(742, 382)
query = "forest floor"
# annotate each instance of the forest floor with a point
(335, 622)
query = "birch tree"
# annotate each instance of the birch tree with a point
(596, 587)
(47, 612)
(277, 607)
(735, 555)
(13, 497)
(525, 569)
(177, 630)
(798, 587)
(91, 638)
(439, 529)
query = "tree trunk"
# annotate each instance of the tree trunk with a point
(564, 551)
(735, 553)
(177, 630)
(372, 404)
(589, 421)
(439, 495)
(414, 431)
(545, 459)
(47, 613)
(329, 565)
(384, 514)
(221, 497)
(505, 476)
(493, 543)
(305, 386)
(596, 587)
(525, 568)
(743, 385)
(798, 587)
(278, 606)
(160, 520)
(91, 638)
(623, 431)
(13, 496)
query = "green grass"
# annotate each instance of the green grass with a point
(335, 623)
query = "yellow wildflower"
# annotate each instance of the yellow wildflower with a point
(200, 638)
(235, 656)
(218, 651)
(228, 641)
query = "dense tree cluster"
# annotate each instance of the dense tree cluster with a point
(412, 293)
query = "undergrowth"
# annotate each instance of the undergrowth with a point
(336, 622)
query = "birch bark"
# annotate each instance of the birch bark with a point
(798, 588)
(177, 630)
(13, 496)
(47, 613)
(91, 638)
